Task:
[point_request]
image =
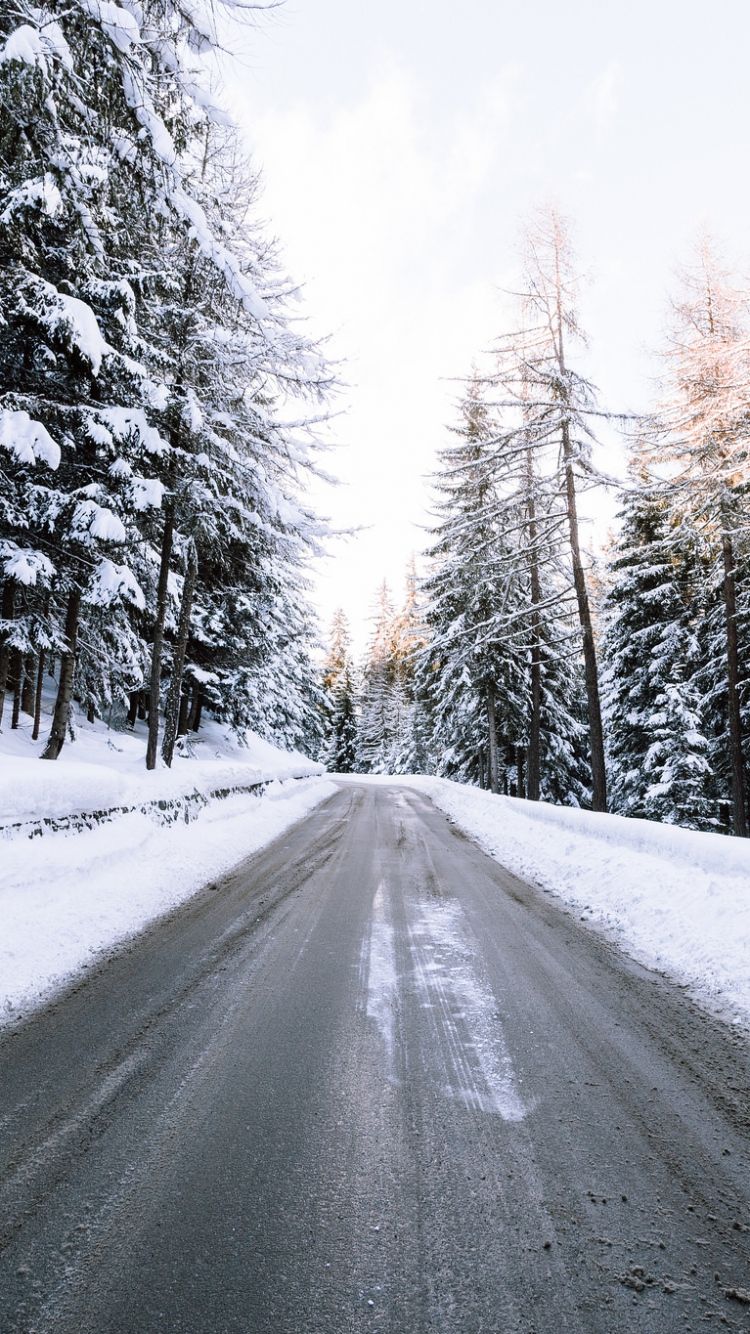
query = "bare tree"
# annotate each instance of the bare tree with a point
(704, 437)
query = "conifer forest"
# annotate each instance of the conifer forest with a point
(163, 413)
(522, 663)
(374, 667)
(159, 405)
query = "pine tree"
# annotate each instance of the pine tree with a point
(472, 671)
(379, 701)
(339, 751)
(341, 754)
(150, 352)
(500, 675)
(658, 751)
(411, 753)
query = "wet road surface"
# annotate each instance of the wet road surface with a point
(372, 1081)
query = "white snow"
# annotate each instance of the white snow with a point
(84, 329)
(148, 493)
(129, 421)
(53, 39)
(98, 521)
(25, 565)
(111, 582)
(120, 26)
(191, 412)
(67, 896)
(23, 45)
(42, 193)
(469, 1059)
(238, 282)
(379, 965)
(30, 46)
(675, 900)
(27, 439)
(470, 1038)
(69, 317)
(103, 769)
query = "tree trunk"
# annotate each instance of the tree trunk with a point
(519, 770)
(27, 693)
(133, 708)
(481, 767)
(534, 762)
(18, 671)
(182, 722)
(172, 712)
(593, 703)
(8, 608)
(161, 611)
(61, 716)
(492, 736)
(192, 706)
(736, 767)
(38, 696)
(197, 710)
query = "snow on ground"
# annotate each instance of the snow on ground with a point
(478, 1072)
(68, 896)
(378, 965)
(104, 768)
(675, 900)
(471, 1059)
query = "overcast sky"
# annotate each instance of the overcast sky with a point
(401, 145)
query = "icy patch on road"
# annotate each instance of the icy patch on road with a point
(479, 1072)
(467, 1056)
(674, 899)
(382, 982)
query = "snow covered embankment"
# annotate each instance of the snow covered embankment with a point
(673, 899)
(97, 778)
(72, 894)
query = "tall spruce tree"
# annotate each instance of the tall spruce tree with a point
(658, 750)
(411, 753)
(150, 352)
(378, 701)
(500, 671)
(339, 751)
(473, 673)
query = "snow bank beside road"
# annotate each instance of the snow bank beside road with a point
(675, 900)
(102, 770)
(77, 891)
(67, 897)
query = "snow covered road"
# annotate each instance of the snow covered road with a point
(371, 1081)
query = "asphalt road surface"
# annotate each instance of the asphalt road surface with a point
(371, 1081)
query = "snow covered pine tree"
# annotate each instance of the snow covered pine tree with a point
(147, 349)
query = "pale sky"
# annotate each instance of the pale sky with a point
(401, 145)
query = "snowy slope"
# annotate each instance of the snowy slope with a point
(103, 769)
(70, 895)
(675, 900)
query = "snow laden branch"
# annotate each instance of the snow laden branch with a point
(162, 410)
